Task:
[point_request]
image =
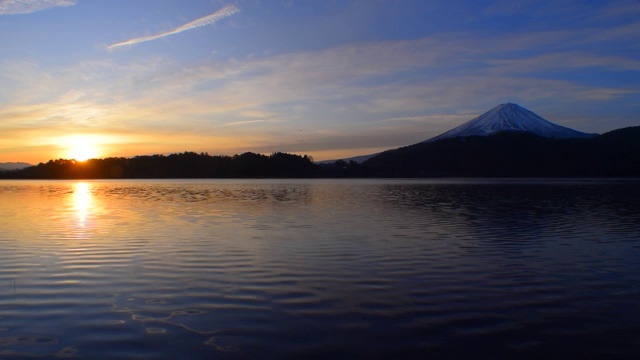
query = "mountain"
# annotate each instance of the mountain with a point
(511, 141)
(512, 118)
(506, 141)
(13, 165)
(358, 159)
(514, 154)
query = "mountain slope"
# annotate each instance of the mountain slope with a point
(512, 118)
(13, 165)
(515, 154)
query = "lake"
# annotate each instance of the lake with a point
(243, 269)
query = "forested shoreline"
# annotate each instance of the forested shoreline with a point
(506, 154)
(180, 165)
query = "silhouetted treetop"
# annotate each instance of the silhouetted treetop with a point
(181, 165)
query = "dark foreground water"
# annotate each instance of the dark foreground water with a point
(320, 269)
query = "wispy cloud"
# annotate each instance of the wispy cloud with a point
(253, 122)
(203, 21)
(337, 102)
(29, 6)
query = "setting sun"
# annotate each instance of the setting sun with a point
(82, 149)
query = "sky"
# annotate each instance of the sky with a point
(326, 78)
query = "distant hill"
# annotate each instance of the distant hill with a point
(13, 165)
(515, 154)
(358, 159)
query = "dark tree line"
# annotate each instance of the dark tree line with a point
(614, 154)
(182, 165)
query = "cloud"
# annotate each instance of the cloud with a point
(252, 122)
(29, 6)
(330, 103)
(203, 21)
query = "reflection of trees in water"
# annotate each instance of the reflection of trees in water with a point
(532, 251)
(517, 213)
(39, 347)
(211, 192)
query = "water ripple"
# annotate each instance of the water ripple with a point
(371, 268)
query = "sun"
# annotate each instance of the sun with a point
(81, 149)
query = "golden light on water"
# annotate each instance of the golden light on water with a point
(82, 202)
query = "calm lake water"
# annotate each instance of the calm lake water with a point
(235, 269)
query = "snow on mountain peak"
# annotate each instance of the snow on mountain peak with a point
(511, 117)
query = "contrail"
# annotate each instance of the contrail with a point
(29, 6)
(205, 20)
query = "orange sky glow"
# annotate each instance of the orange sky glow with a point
(82, 79)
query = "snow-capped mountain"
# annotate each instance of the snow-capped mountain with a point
(511, 117)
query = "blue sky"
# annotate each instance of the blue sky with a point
(329, 79)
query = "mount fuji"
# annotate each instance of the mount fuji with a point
(511, 141)
(504, 118)
(512, 118)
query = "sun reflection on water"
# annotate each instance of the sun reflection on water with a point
(82, 202)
